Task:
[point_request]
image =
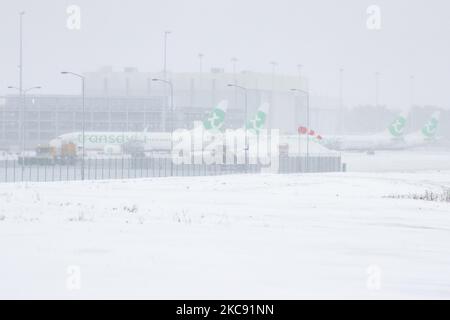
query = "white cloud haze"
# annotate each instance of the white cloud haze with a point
(322, 35)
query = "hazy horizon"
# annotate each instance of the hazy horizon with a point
(322, 35)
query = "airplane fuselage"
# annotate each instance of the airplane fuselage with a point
(98, 141)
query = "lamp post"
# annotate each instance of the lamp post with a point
(200, 58)
(22, 98)
(299, 69)
(234, 61)
(245, 118)
(341, 101)
(166, 34)
(377, 93)
(84, 117)
(170, 84)
(274, 65)
(164, 76)
(300, 85)
(21, 14)
(377, 89)
(306, 93)
(411, 98)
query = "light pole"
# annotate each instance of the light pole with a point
(299, 68)
(272, 94)
(166, 34)
(274, 65)
(84, 117)
(21, 14)
(22, 99)
(170, 84)
(297, 114)
(245, 119)
(200, 58)
(341, 101)
(377, 88)
(377, 94)
(411, 88)
(411, 98)
(306, 93)
(234, 61)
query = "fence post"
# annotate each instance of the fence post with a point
(131, 167)
(165, 167)
(146, 167)
(95, 168)
(108, 163)
(122, 167)
(89, 168)
(159, 167)
(115, 168)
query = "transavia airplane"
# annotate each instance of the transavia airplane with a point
(112, 142)
(205, 141)
(258, 123)
(426, 135)
(393, 138)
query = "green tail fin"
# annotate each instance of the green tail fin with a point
(397, 128)
(216, 119)
(430, 128)
(258, 122)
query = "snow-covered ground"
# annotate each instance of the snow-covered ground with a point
(397, 161)
(250, 236)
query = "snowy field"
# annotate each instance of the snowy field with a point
(257, 236)
(397, 161)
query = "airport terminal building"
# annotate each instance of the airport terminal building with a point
(128, 100)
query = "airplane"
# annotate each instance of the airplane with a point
(216, 119)
(113, 142)
(392, 138)
(426, 135)
(389, 139)
(256, 124)
(216, 138)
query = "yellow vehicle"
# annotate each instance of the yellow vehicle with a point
(50, 155)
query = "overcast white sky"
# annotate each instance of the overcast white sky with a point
(322, 35)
